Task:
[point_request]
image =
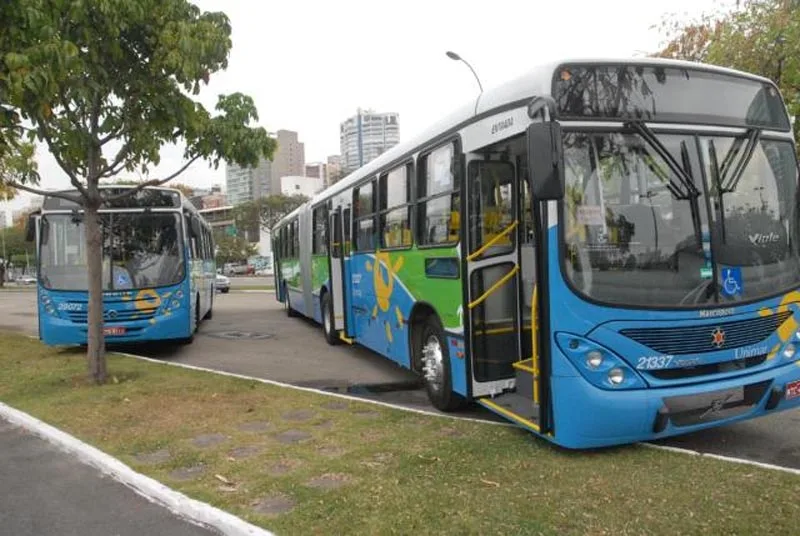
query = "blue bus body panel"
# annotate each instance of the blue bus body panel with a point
(589, 412)
(380, 319)
(145, 315)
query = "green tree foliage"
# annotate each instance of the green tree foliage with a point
(759, 36)
(232, 248)
(269, 210)
(17, 165)
(105, 84)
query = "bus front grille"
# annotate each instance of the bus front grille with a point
(112, 316)
(700, 339)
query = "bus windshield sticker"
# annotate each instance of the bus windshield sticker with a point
(732, 281)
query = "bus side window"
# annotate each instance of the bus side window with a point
(395, 211)
(364, 216)
(439, 198)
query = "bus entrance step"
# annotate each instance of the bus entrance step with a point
(514, 407)
(523, 371)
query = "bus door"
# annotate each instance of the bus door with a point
(500, 337)
(337, 287)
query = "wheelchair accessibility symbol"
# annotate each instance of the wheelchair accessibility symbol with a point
(731, 281)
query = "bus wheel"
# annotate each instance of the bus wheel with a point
(435, 363)
(327, 320)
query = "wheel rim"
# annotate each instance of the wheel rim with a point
(326, 319)
(433, 362)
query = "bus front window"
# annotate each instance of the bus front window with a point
(139, 251)
(633, 229)
(637, 234)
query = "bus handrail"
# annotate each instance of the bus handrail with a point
(505, 232)
(535, 342)
(502, 281)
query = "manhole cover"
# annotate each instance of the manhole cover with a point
(239, 335)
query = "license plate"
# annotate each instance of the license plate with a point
(792, 390)
(117, 330)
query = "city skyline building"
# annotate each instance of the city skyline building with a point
(365, 136)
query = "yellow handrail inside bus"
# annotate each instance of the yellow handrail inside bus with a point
(494, 287)
(499, 236)
(534, 343)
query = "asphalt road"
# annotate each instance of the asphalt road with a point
(45, 491)
(250, 334)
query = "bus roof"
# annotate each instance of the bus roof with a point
(59, 204)
(534, 82)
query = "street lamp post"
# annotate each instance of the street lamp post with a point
(455, 57)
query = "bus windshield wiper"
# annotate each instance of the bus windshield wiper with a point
(684, 175)
(730, 179)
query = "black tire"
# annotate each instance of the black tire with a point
(438, 384)
(328, 329)
(226, 290)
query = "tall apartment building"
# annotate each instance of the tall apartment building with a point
(247, 184)
(367, 135)
(318, 170)
(290, 158)
(334, 169)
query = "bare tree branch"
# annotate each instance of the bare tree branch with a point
(154, 182)
(111, 135)
(70, 113)
(45, 193)
(72, 177)
(109, 170)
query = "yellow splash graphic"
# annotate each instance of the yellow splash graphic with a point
(383, 273)
(789, 327)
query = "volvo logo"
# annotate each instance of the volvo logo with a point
(718, 338)
(111, 315)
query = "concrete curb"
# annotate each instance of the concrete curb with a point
(194, 511)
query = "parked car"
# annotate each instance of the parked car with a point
(223, 284)
(26, 280)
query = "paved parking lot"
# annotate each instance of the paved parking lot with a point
(250, 334)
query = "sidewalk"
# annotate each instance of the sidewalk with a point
(44, 491)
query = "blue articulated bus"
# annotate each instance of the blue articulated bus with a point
(158, 268)
(601, 251)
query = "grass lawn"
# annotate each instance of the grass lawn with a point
(341, 467)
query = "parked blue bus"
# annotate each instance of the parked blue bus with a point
(600, 251)
(158, 268)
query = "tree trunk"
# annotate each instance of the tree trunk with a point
(96, 353)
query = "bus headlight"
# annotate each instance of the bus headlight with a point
(594, 359)
(616, 376)
(598, 364)
(789, 351)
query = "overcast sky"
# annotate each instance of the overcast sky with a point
(309, 64)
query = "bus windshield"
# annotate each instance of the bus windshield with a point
(139, 251)
(679, 220)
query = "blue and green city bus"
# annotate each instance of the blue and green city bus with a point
(158, 268)
(600, 251)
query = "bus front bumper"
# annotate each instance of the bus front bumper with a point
(587, 416)
(59, 331)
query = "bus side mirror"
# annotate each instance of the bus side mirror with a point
(545, 152)
(30, 228)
